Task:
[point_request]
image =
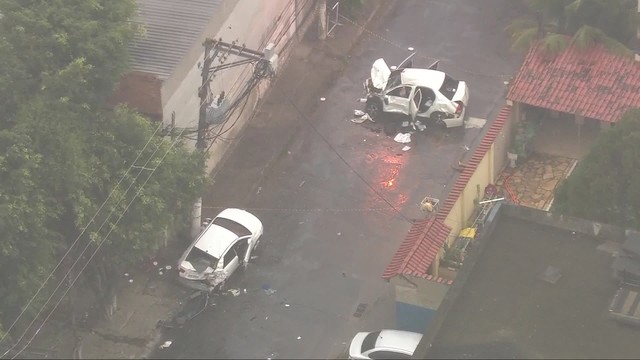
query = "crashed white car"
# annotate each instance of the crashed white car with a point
(224, 245)
(426, 95)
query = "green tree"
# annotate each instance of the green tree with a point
(41, 37)
(604, 186)
(63, 153)
(559, 23)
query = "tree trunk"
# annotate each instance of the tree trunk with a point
(321, 8)
(106, 289)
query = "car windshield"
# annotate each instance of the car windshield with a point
(201, 260)
(394, 79)
(449, 87)
(232, 226)
(369, 341)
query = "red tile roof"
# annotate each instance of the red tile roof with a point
(425, 238)
(419, 248)
(471, 165)
(593, 82)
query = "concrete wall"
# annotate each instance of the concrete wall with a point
(254, 23)
(583, 226)
(417, 300)
(431, 329)
(500, 147)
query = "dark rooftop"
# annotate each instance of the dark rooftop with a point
(505, 310)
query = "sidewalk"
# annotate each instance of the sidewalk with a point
(152, 293)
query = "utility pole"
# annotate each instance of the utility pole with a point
(321, 8)
(266, 65)
(203, 94)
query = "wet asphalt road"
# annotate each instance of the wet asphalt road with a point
(321, 252)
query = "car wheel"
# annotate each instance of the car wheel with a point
(438, 118)
(374, 108)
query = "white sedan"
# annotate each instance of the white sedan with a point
(384, 344)
(426, 95)
(224, 245)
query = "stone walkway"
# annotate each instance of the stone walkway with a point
(533, 182)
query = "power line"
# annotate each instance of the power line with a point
(304, 116)
(79, 236)
(96, 250)
(83, 251)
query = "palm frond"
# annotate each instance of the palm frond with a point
(588, 36)
(519, 25)
(521, 41)
(554, 44)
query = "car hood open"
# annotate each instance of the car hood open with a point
(380, 74)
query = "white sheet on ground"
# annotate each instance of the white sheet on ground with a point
(403, 138)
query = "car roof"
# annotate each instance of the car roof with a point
(398, 339)
(242, 217)
(423, 77)
(215, 240)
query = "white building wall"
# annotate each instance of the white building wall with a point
(249, 22)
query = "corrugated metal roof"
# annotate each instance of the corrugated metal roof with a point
(172, 28)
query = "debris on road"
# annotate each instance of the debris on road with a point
(406, 148)
(475, 123)
(361, 119)
(269, 292)
(302, 183)
(166, 344)
(419, 126)
(126, 274)
(130, 280)
(299, 337)
(362, 100)
(234, 292)
(403, 138)
(322, 99)
(358, 113)
(168, 267)
(339, 234)
(286, 305)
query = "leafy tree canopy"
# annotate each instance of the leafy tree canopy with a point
(63, 154)
(604, 186)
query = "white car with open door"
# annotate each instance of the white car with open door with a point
(226, 243)
(426, 95)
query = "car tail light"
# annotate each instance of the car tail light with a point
(459, 108)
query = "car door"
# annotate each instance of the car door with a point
(230, 262)
(397, 99)
(425, 104)
(414, 104)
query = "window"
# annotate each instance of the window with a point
(402, 91)
(449, 87)
(241, 248)
(232, 226)
(228, 257)
(428, 96)
(369, 341)
(388, 355)
(394, 79)
(201, 260)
